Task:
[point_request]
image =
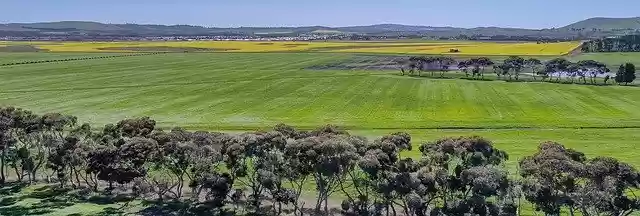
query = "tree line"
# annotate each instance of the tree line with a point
(265, 172)
(76, 59)
(554, 70)
(626, 43)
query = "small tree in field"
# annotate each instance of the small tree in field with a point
(516, 63)
(626, 73)
(534, 64)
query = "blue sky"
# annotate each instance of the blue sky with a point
(235, 13)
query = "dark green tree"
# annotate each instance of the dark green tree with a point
(533, 64)
(460, 176)
(626, 73)
(516, 63)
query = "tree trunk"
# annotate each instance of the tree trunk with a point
(326, 204)
(180, 185)
(2, 175)
(77, 176)
(393, 209)
(19, 173)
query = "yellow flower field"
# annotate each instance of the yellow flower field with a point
(435, 47)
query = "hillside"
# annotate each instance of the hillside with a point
(606, 24)
(583, 29)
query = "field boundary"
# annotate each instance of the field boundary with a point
(78, 59)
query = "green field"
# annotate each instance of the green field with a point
(235, 92)
(248, 91)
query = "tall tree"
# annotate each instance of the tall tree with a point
(556, 67)
(484, 62)
(462, 175)
(626, 73)
(533, 64)
(464, 67)
(6, 142)
(550, 177)
(444, 64)
(556, 177)
(516, 63)
(573, 70)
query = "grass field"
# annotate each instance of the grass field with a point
(245, 91)
(429, 47)
(234, 92)
(238, 91)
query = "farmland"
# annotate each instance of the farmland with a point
(235, 91)
(244, 89)
(430, 47)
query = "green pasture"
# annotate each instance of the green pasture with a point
(248, 91)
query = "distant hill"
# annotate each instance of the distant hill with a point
(606, 24)
(590, 28)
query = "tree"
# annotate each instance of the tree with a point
(556, 67)
(68, 158)
(626, 73)
(180, 151)
(122, 164)
(382, 178)
(464, 67)
(573, 70)
(460, 176)
(502, 70)
(593, 69)
(550, 177)
(6, 142)
(533, 64)
(444, 64)
(556, 177)
(248, 156)
(484, 62)
(329, 155)
(516, 63)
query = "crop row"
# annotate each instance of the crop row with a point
(76, 59)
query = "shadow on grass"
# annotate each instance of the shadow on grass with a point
(12, 188)
(24, 210)
(52, 197)
(164, 208)
(110, 211)
(476, 79)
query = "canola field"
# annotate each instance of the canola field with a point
(391, 47)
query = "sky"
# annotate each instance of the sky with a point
(272, 13)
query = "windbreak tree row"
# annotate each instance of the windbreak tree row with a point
(77, 59)
(557, 70)
(272, 172)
